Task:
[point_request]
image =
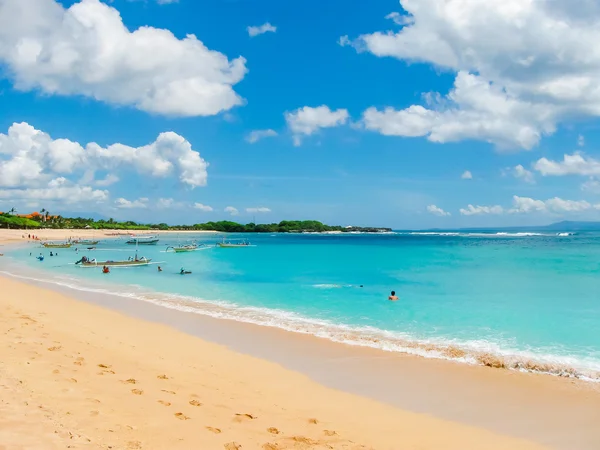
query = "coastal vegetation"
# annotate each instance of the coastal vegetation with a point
(45, 220)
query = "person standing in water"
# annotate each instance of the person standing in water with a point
(393, 297)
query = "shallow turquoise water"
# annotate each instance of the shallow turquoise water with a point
(522, 297)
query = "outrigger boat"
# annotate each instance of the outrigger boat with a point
(184, 248)
(57, 245)
(85, 242)
(143, 240)
(85, 262)
(231, 244)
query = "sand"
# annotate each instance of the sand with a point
(14, 236)
(74, 375)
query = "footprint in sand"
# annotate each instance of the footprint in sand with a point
(242, 417)
(56, 371)
(72, 380)
(269, 446)
(214, 430)
(54, 349)
(195, 403)
(137, 391)
(304, 440)
(273, 430)
(181, 416)
(169, 392)
(104, 366)
(94, 413)
(130, 381)
(232, 446)
(329, 433)
(313, 421)
(162, 402)
(134, 445)
(162, 377)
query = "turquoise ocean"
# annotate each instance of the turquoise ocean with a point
(523, 301)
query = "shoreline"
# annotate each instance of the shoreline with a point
(549, 410)
(81, 374)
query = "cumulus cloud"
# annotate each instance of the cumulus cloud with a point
(307, 120)
(474, 109)
(527, 205)
(256, 135)
(123, 203)
(437, 211)
(262, 29)
(529, 58)
(400, 19)
(60, 190)
(231, 210)
(471, 210)
(87, 50)
(553, 205)
(575, 164)
(30, 157)
(203, 208)
(524, 174)
(580, 140)
(467, 175)
(260, 209)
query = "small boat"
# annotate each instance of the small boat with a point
(184, 248)
(85, 262)
(57, 245)
(232, 244)
(85, 242)
(143, 240)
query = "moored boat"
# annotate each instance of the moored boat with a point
(57, 244)
(184, 248)
(233, 244)
(85, 242)
(143, 240)
(85, 262)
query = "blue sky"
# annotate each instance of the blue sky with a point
(373, 120)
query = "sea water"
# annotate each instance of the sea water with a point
(525, 301)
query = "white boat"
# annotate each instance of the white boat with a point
(233, 244)
(143, 240)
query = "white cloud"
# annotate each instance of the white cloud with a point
(87, 50)
(203, 208)
(437, 211)
(59, 190)
(592, 185)
(307, 120)
(575, 164)
(553, 205)
(467, 175)
(478, 210)
(399, 19)
(528, 57)
(344, 41)
(260, 209)
(256, 135)
(474, 109)
(527, 205)
(580, 140)
(107, 180)
(524, 174)
(168, 203)
(30, 157)
(262, 29)
(123, 203)
(166, 2)
(231, 210)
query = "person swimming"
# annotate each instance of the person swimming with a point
(184, 272)
(159, 269)
(105, 269)
(393, 297)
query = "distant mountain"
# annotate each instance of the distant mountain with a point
(567, 225)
